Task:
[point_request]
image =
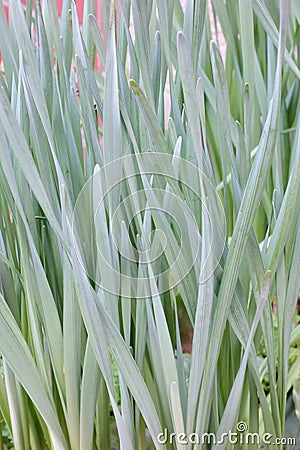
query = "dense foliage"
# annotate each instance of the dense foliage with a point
(154, 197)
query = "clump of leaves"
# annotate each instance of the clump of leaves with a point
(167, 180)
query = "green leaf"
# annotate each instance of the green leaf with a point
(14, 348)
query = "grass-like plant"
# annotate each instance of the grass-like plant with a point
(164, 186)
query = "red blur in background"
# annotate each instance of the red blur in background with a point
(79, 5)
